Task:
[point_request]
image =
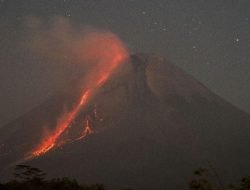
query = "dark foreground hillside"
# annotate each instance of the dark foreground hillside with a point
(29, 178)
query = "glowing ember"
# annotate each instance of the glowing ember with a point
(109, 51)
(95, 112)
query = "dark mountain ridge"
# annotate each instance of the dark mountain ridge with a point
(155, 125)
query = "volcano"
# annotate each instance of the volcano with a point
(148, 127)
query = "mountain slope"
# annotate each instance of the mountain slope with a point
(153, 125)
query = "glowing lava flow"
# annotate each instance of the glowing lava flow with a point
(87, 130)
(50, 142)
(110, 53)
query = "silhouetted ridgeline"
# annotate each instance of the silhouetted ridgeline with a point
(29, 178)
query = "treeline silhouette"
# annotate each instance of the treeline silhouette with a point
(30, 178)
(205, 179)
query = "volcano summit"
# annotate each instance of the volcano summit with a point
(148, 127)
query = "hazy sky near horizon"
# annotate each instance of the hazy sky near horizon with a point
(208, 39)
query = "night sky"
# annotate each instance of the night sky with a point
(210, 39)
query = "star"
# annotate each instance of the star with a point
(164, 28)
(237, 39)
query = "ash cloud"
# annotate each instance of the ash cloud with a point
(57, 41)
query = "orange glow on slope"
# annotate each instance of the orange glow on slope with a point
(109, 52)
(50, 142)
(87, 130)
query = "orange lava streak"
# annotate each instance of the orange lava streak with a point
(110, 53)
(50, 142)
(85, 97)
(87, 130)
